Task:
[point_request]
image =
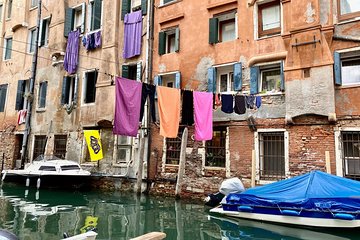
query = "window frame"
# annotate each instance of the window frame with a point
(60, 137)
(32, 37)
(1, 11)
(7, 49)
(170, 157)
(36, 148)
(164, 43)
(127, 146)
(268, 68)
(91, 16)
(9, 9)
(347, 16)
(2, 87)
(164, 3)
(34, 4)
(273, 31)
(170, 78)
(221, 19)
(84, 100)
(71, 90)
(40, 92)
(224, 135)
(348, 59)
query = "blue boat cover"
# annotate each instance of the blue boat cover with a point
(313, 191)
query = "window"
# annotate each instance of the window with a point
(47, 168)
(70, 167)
(60, 146)
(34, 3)
(223, 28)
(42, 94)
(69, 90)
(95, 8)
(31, 40)
(132, 71)
(169, 41)
(124, 149)
(128, 6)
(226, 78)
(172, 80)
(22, 90)
(74, 19)
(348, 9)
(9, 10)
(269, 22)
(215, 155)
(8, 48)
(347, 67)
(173, 147)
(44, 32)
(272, 155)
(267, 78)
(1, 12)
(3, 91)
(90, 86)
(163, 2)
(39, 145)
(351, 154)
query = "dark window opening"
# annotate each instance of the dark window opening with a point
(70, 167)
(173, 148)
(216, 149)
(90, 88)
(3, 91)
(42, 95)
(39, 145)
(60, 142)
(47, 168)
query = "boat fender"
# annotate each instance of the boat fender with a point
(344, 216)
(27, 183)
(38, 183)
(245, 209)
(290, 212)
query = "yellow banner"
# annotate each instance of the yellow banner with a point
(92, 138)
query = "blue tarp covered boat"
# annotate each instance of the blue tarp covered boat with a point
(313, 199)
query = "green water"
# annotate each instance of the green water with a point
(48, 214)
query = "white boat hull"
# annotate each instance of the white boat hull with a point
(292, 220)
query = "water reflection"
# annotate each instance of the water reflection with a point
(48, 214)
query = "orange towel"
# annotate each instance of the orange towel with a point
(169, 111)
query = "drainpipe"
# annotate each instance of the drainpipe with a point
(31, 90)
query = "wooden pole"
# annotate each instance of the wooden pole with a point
(327, 160)
(253, 168)
(141, 164)
(181, 163)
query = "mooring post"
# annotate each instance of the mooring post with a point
(141, 163)
(181, 163)
(253, 168)
(327, 160)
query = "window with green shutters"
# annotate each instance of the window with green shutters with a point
(128, 6)
(69, 90)
(223, 27)
(90, 86)
(44, 32)
(169, 41)
(132, 71)
(21, 91)
(267, 78)
(226, 78)
(95, 14)
(3, 92)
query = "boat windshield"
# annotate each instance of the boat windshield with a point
(43, 157)
(70, 167)
(47, 168)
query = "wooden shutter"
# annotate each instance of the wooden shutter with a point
(162, 43)
(337, 68)
(254, 79)
(97, 14)
(178, 80)
(282, 77)
(3, 90)
(213, 30)
(42, 95)
(65, 90)
(69, 21)
(237, 77)
(177, 39)
(41, 35)
(19, 105)
(212, 79)
(83, 13)
(125, 71)
(144, 6)
(139, 71)
(125, 8)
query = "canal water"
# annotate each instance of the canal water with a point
(46, 214)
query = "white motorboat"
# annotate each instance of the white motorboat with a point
(49, 172)
(90, 235)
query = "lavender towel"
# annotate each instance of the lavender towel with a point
(97, 39)
(203, 109)
(127, 107)
(132, 34)
(71, 59)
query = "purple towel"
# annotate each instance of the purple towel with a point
(132, 34)
(127, 107)
(97, 39)
(71, 59)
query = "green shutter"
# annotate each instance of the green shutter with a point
(212, 79)
(43, 32)
(144, 6)
(42, 95)
(213, 30)
(3, 90)
(177, 39)
(19, 105)
(65, 90)
(125, 8)
(97, 15)
(282, 77)
(337, 68)
(237, 77)
(76, 84)
(69, 21)
(125, 71)
(8, 49)
(254, 79)
(162, 43)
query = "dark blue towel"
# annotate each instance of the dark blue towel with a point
(258, 102)
(227, 101)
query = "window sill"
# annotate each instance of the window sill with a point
(214, 168)
(7, 60)
(33, 8)
(8, 19)
(92, 31)
(168, 4)
(120, 165)
(268, 36)
(39, 110)
(88, 104)
(271, 94)
(171, 165)
(355, 85)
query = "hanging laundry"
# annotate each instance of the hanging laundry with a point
(258, 102)
(22, 116)
(169, 111)
(187, 111)
(240, 107)
(217, 101)
(97, 36)
(127, 107)
(148, 90)
(92, 40)
(132, 34)
(250, 101)
(71, 59)
(203, 116)
(227, 103)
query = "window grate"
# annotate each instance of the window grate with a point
(173, 148)
(351, 154)
(272, 156)
(60, 146)
(216, 149)
(39, 145)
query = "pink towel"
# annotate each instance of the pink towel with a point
(203, 116)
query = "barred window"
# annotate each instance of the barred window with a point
(124, 149)
(60, 146)
(216, 149)
(173, 147)
(272, 155)
(39, 145)
(351, 154)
